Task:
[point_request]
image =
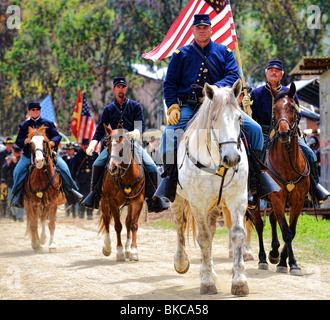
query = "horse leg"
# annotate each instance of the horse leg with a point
(204, 239)
(106, 217)
(136, 210)
(51, 226)
(43, 236)
(262, 265)
(238, 234)
(247, 253)
(288, 234)
(274, 255)
(33, 222)
(118, 228)
(226, 215)
(181, 260)
(128, 243)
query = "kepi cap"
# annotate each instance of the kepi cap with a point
(278, 64)
(201, 19)
(34, 105)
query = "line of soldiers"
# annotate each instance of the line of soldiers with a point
(80, 165)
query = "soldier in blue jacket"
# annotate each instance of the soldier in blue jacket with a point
(183, 92)
(82, 165)
(129, 114)
(22, 167)
(262, 102)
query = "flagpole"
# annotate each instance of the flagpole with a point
(248, 110)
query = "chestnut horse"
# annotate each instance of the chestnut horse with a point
(41, 190)
(290, 169)
(124, 184)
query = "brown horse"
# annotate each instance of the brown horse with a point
(290, 169)
(124, 184)
(41, 190)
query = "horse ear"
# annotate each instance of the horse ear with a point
(107, 129)
(209, 91)
(292, 90)
(237, 88)
(120, 126)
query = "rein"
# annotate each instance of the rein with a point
(289, 185)
(40, 193)
(124, 189)
(219, 170)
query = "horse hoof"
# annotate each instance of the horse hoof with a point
(296, 272)
(133, 257)
(240, 290)
(37, 247)
(52, 250)
(263, 266)
(248, 257)
(281, 269)
(272, 259)
(127, 253)
(182, 270)
(208, 289)
(120, 257)
(106, 252)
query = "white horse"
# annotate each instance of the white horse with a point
(213, 170)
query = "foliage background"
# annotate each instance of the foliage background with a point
(63, 44)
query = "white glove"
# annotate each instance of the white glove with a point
(134, 135)
(91, 147)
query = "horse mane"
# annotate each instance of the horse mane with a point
(38, 131)
(280, 95)
(202, 118)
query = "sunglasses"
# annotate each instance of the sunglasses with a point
(35, 109)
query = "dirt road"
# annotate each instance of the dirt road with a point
(80, 271)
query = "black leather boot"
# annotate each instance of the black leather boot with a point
(92, 201)
(17, 200)
(155, 204)
(72, 196)
(318, 193)
(167, 187)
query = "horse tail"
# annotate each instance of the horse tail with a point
(190, 221)
(104, 222)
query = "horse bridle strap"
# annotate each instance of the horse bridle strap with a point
(289, 185)
(127, 190)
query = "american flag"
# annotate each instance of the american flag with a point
(47, 109)
(180, 33)
(87, 124)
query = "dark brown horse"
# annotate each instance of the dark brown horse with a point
(290, 169)
(123, 184)
(41, 190)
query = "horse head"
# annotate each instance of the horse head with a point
(284, 115)
(118, 148)
(39, 145)
(225, 121)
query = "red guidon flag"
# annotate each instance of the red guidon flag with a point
(180, 33)
(76, 117)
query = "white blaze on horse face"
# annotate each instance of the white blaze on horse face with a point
(39, 156)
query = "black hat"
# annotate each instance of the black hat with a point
(34, 105)
(119, 80)
(9, 140)
(201, 19)
(278, 64)
(85, 141)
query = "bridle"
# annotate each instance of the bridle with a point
(126, 190)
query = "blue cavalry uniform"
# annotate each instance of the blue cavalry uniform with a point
(262, 111)
(130, 116)
(22, 167)
(82, 173)
(187, 73)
